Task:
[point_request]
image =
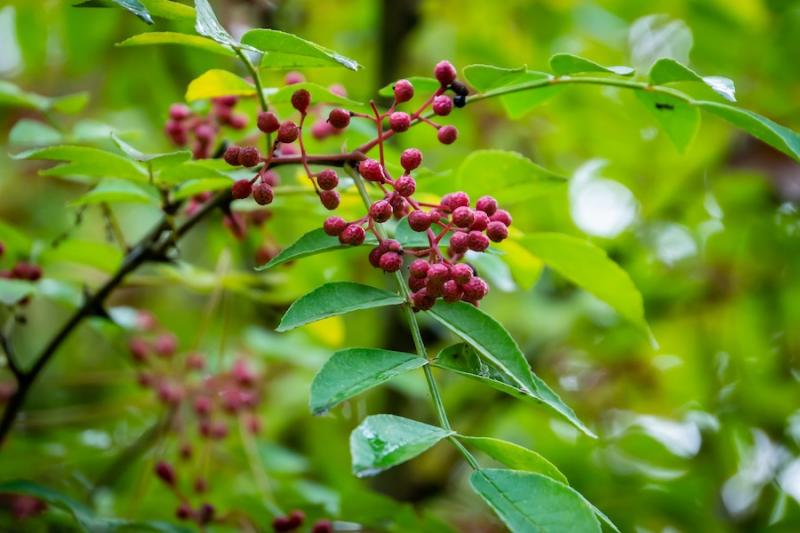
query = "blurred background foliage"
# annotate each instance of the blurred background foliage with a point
(698, 434)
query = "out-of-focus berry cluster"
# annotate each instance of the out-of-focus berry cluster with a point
(187, 128)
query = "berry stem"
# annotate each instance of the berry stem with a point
(257, 467)
(416, 335)
(257, 81)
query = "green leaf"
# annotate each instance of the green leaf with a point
(134, 6)
(383, 441)
(27, 132)
(590, 268)
(190, 170)
(526, 501)
(118, 191)
(84, 516)
(334, 299)
(192, 187)
(312, 243)
(408, 238)
(563, 64)
(86, 161)
(319, 95)
(13, 96)
(206, 23)
(777, 136)
(352, 371)
(677, 118)
(167, 37)
(101, 255)
(513, 177)
(668, 70)
(485, 78)
(515, 456)
(466, 360)
(14, 290)
(156, 161)
(216, 82)
(525, 267)
(169, 9)
(288, 50)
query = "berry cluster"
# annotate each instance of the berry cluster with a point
(211, 402)
(22, 270)
(294, 520)
(184, 124)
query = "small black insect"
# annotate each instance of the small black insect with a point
(665, 106)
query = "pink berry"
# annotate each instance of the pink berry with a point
(184, 511)
(301, 99)
(322, 129)
(288, 132)
(322, 526)
(410, 159)
(327, 179)
(461, 273)
(477, 241)
(501, 215)
(418, 268)
(375, 256)
(487, 204)
(391, 262)
(165, 345)
(497, 231)
(422, 301)
(438, 272)
(403, 91)
(139, 349)
(268, 122)
(262, 193)
(241, 189)
(329, 199)
(405, 185)
(447, 134)
(226, 101)
(419, 220)
(166, 473)
(399, 121)
(204, 133)
(475, 289)
(270, 178)
(480, 221)
(231, 155)
(339, 118)
(353, 235)
(249, 156)
(293, 78)
(371, 170)
(333, 226)
(451, 292)
(445, 72)
(442, 105)
(416, 284)
(238, 122)
(195, 361)
(179, 112)
(463, 216)
(459, 242)
(202, 405)
(380, 211)
(455, 200)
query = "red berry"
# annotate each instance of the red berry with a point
(463, 216)
(497, 231)
(231, 155)
(403, 91)
(321, 129)
(416, 284)
(204, 133)
(442, 105)
(327, 179)
(202, 405)
(461, 273)
(391, 262)
(333, 226)
(445, 72)
(165, 472)
(438, 273)
(375, 256)
(353, 234)
(475, 289)
(170, 393)
(249, 156)
(451, 292)
(453, 201)
(226, 101)
(447, 134)
(241, 189)
(282, 523)
(322, 526)
(200, 485)
(218, 430)
(301, 99)
(268, 122)
(339, 118)
(419, 268)
(477, 241)
(206, 513)
(481, 220)
(238, 122)
(184, 511)
(288, 132)
(2, 249)
(487, 204)
(270, 178)
(165, 345)
(371, 170)
(459, 242)
(380, 211)
(399, 121)
(405, 185)
(419, 220)
(262, 193)
(422, 301)
(501, 215)
(139, 349)
(195, 361)
(296, 518)
(410, 159)
(329, 199)
(179, 112)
